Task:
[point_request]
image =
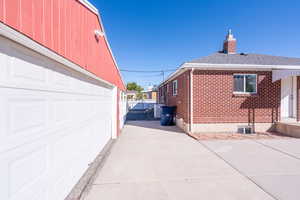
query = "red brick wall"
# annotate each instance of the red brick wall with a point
(229, 46)
(182, 97)
(214, 101)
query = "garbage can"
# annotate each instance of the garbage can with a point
(167, 115)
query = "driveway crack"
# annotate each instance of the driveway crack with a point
(278, 150)
(236, 169)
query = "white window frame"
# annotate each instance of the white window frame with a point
(175, 87)
(236, 92)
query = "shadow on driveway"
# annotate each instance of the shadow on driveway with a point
(155, 124)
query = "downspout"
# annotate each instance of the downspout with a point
(191, 101)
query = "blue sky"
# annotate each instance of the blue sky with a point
(162, 34)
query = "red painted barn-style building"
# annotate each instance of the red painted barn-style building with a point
(61, 95)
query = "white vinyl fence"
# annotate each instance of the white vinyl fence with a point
(142, 104)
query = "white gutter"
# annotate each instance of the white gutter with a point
(191, 101)
(209, 66)
(18, 37)
(239, 66)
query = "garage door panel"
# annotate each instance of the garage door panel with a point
(33, 163)
(37, 191)
(26, 70)
(26, 115)
(23, 117)
(34, 118)
(53, 123)
(21, 72)
(61, 111)
(60, 78)
(22, 170)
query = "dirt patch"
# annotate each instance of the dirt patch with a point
(238, 136)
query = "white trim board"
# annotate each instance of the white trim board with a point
(18, 37)
(90, 6)
(229, 67)
(240, 66)
(281, 74)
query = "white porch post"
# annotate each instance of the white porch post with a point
(288, 102)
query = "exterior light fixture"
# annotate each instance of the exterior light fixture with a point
(99, 33)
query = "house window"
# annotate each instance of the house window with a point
(245, 83)
(175, 88)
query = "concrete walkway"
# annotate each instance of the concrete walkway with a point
(274, 164)
(150, 162)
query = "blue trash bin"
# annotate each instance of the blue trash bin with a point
(167, 115)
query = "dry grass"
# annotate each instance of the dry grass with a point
(238, 136)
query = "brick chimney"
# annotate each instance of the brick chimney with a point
(229, 46)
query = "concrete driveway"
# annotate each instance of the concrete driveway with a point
(150, 162)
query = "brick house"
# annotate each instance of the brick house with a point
(222, 91)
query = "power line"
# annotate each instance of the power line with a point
(161, 72)
(151, 75)
(144, 71)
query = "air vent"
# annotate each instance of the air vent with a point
(244, 129)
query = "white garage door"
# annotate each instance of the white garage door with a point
(53, 123)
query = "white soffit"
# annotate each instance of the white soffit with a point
(281, 74)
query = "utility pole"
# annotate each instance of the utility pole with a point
(163, 74)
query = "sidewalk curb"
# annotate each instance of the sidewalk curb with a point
(192, 135)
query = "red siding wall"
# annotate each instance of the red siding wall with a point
(66, 27)
(214, 101)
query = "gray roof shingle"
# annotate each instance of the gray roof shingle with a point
(250, 59)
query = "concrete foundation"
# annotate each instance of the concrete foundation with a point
(182, 125)
(289, 129)
(223, 127)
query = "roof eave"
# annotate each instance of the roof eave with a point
(208, 66)
(90, 6)
(179, 71)
(239, 66)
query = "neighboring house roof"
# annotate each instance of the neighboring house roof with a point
(238, 61)
(229, 59)
(248, 59)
